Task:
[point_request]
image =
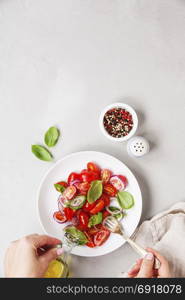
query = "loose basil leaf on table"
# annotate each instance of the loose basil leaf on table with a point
(125, 199)
(52, 136)
(41, 153)
(95, 191)
(95, 220)
(76, 235)
(60, 188)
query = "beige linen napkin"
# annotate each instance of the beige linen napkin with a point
(166, 233)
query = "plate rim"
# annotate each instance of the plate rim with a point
(58, 162)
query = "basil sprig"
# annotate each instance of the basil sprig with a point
(125, 199)
(41, 153)
(51, 136)
(95, 191)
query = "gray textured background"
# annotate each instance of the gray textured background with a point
(61, 62)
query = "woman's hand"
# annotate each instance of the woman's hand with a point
(144, 268)
(30, 256)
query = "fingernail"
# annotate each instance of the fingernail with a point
(149, 256)
(59, 251)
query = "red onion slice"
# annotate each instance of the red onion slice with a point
(62, 202)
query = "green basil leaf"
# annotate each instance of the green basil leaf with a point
(51, 136)
(125, 199)
(76, 235)
(95, 191)
(41, 153)
(60, 188)
(95, 220)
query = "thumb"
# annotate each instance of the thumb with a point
(146, 270)
(50, 255)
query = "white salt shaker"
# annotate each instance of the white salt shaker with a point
(138, 146)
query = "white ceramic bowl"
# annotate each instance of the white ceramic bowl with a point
(130, 110)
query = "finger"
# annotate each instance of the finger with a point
(146, 270)
(126, 275)
(164, 270)
(161, 258)
(139, 261)
(50, 255)
(43, 240)
(135, 269)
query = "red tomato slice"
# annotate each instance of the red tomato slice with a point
(106, 199)
(119, 182)
(83, 220)
(105, 214)
(88, 176)
(63, 183)
(72, 177)
(99, 205)
(90, 245)
(59, 217)
(69, 213)
(110, 190)
(90, 242)
(84, 186)
(70, 192)
(105, 175)
(93, 167)
(88, 206)
(93, 230)
(101, 237)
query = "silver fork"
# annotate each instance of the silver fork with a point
(112, 224)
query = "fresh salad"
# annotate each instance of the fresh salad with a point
(85, 201)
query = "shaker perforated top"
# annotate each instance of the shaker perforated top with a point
(138, 146)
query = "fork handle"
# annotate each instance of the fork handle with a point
(142, 252)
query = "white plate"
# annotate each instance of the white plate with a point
(75, 162)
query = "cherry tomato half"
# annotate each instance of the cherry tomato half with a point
(70, 192)
(99, 205)
(105, 175)
(110, 190)
(119, 182)
(83, 220)
(93, 230)
(90, 242)
(101, 237)
(69, 213)
(105, 214)
(72, 177)
(83, 186)
(88, 206)
(59, 217)
(124, 179)
(88, 176)
(93, 167)
(105, 198)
